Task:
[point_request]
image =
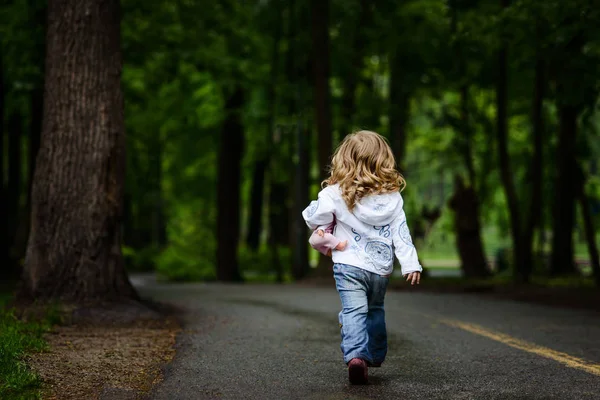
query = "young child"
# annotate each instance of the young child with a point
(322, 240)
(362, 196)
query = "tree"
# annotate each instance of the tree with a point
(261, 163)
(320, 63)
(4, 246)
(535, 205)
(14, 184)
(465, 205)
(506, 173)
(37, 20)
(228, 188)
(588, 224)
(571, 93)
(74, 247)
(465, 201)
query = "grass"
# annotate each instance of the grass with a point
(17, 339)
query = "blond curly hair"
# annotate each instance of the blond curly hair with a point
(362, 165)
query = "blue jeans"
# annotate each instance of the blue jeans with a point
(362, 319)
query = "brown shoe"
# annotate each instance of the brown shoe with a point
(358, 372)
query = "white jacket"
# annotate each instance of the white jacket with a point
(375, 230)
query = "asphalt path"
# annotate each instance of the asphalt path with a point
(282, 342)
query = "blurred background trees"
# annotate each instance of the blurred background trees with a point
(232, 109)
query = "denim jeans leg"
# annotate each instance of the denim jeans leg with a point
(376, 319)
(351, 285)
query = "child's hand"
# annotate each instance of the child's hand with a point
(320, 232)
(413, 277)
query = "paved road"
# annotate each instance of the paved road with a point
(282, 342)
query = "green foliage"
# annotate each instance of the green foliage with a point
(261, 262)
(190, 255)
(17, 339)
(140, 260)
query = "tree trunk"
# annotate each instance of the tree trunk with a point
(74, 248)
(535, 205)
(13, 194)
(465, 200)
(255, 226)
(228, 189)
(399, 110)
(37, 115)
(561, 260)
(38, 12)
(7, 271)
(278, 220)
(504, 159)
(278, 211)
(320, 62)
(300, 267)
(465, 205)
(256, 204)
(466, 133)
(272, 239)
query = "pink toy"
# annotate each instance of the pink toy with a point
(322, 240)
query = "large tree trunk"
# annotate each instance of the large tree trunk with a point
(561, 261)
(504, 158)
(228, 189)
(535, 205)
(320, 62)
(74, 248)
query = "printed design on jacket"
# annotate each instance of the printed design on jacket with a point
(405, 234)
(383, 230)
(380, 253)
(357, 236)
(312, 208)
(380, 206)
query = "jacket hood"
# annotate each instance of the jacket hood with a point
(379, 209)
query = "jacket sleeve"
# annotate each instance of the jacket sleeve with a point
(403, 246)
(321, 211)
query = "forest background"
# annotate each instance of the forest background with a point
(233, 108)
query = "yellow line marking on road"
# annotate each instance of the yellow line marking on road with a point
(563, 358)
